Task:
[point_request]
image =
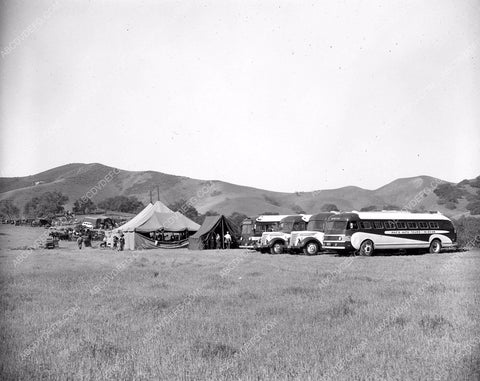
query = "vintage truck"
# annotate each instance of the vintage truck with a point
(276, 242)
(310, 240)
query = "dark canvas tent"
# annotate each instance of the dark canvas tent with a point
(213, 225)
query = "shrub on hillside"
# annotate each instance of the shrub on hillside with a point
(450, 205)
(475, 182)
(468, 231)
(448, 193)
(474, 207)
(368, 208)
(237, 219)
(329, 208)
(188, 210)
(271, 200)
(121, 204)
(48, 204)
(8, 209)
(297, 209)
(391, 207)
(83, 206)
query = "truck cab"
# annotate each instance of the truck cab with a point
(253, 228)
(310, 240)
(276, 242)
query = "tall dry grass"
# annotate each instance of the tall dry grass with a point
(180, 315)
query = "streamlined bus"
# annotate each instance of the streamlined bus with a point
(364, 232)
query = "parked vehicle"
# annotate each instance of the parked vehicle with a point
(310, 241)
(253, 228)
(276, 242)
(51, 242)
(365, 232)
(87, 225)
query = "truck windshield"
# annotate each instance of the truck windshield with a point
(335, 226)
(318, 225)
(286, 227)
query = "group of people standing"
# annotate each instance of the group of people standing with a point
(85, 240)
(118, 242)
(215, 241)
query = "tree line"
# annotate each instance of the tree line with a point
(50, 204)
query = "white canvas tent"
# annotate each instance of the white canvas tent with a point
(154, 217)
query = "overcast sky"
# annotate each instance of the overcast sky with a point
(282, 95)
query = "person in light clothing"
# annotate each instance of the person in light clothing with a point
(228, 240)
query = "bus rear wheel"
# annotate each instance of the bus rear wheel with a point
(277, 248)
(366, 248)
(435, 246)
(311, 248)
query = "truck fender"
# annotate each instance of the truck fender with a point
(277, 240)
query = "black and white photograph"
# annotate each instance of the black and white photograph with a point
(239, 190)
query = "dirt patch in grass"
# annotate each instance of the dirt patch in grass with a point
(102, 350)
(270, 311)
(153, 304)
(217, 282)
(299, 291)
(210, 351)
(255, 273)
(434, 324)
(345, 308)
(395, 293)
(247, 295)
(364, 279)
(399, 321)
(437, 288)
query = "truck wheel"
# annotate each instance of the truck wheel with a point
(277, 248)
(311, 248)
(366, 248)
(435, 246)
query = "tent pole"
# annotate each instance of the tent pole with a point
(223, 233)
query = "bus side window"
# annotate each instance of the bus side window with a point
(389, 225)
(412, 225)
(423, 225)
(366, 225)
(401, 225)
(378, 224)
(434, 224)
(353, 225)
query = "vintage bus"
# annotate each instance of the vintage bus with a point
(276, 242)
(253, 228)
(365, 232)
(310, 240)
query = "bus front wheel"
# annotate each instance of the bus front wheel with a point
(435, 246)
(366, 248)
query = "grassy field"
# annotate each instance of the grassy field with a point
(96, 314)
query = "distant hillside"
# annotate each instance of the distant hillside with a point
(75, 180)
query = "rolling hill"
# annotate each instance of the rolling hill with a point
(76, 179)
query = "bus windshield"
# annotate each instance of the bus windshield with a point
(317, 225)
(335, 225)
